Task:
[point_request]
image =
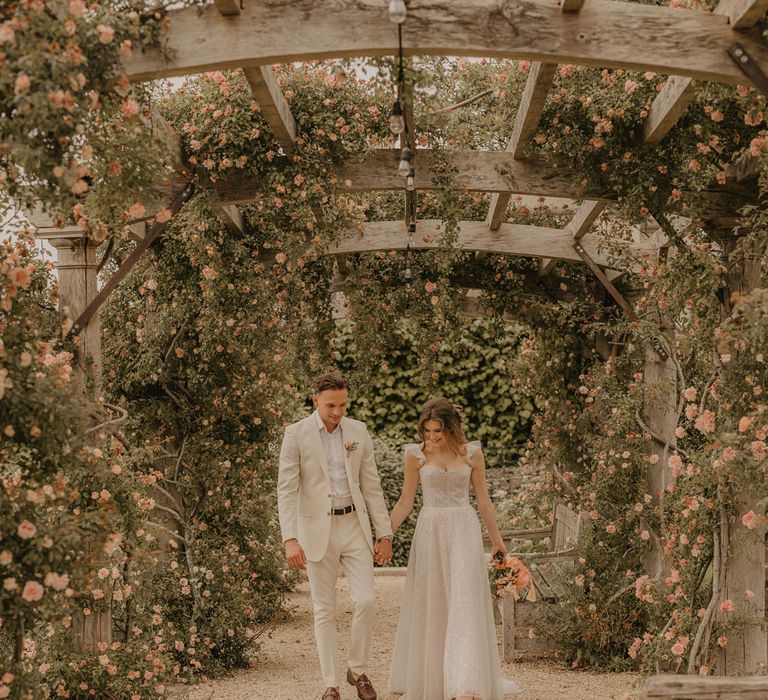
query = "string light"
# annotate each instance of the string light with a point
(397, 120)
(405, 162)
(410, 185)
(397, 11)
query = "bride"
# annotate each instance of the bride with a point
(446, 638)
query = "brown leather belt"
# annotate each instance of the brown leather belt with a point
(344, 510)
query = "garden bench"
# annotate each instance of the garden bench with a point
(517, 617)
(668, 687)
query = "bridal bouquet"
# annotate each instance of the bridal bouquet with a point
(509, 576)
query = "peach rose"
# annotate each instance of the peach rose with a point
(33, 591)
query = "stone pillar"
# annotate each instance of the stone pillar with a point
(76, 268)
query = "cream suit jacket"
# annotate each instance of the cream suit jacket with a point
(304, 490)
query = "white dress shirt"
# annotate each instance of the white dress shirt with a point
(333, 445)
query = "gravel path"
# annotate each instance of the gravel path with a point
(287, 665)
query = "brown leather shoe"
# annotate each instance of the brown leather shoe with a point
(365, 690)
(331, 694)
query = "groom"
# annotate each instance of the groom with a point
(327, 488)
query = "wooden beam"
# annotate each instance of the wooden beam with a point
(232, 218)
(597, 270)
(546, 265)
(526, 122)
(537, 86)
(228, 8)
(478, 171)
(571, 5)
(742, 14)
(582, 221)
(671, 103)
(510, 239)
(604, 33)
(274, 107)
(668, 106)
(705, 687)
(578, 226)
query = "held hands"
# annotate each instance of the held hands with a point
(294, 555)
(382, 551)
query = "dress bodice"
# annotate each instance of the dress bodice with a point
(445, 488)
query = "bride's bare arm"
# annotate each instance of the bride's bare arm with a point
(404, 504)
(484, 504)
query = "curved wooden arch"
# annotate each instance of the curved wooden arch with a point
(603, 33)
(509, 239)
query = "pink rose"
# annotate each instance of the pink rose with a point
(56, 581)
(705, 423)
(744, 423)
(21, 85)
(749, 520)
(33, 591)
(726, 606)
(129, 108)
(163, 215)
(26, 530)
(106, 33)
(678, 649)
(136, 210)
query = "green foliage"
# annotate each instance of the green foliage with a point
(473, 371)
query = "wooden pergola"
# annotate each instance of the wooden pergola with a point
(688, 46)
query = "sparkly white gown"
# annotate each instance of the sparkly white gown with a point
(446, 637)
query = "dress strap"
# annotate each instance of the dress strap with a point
(416, 451)
(472, 448)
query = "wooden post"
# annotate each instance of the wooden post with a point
(660, 413)
(746, 651)
(77, 269)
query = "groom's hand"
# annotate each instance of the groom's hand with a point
(382, 551)
(294, 554)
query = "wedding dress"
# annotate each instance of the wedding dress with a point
(446, 637)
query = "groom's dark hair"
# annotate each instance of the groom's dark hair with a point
(331, 380)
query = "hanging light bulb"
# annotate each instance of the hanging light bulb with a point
(396, 120)
(397, 11)
(405, 162)
(409, 182)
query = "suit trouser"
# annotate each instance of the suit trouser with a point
(348, 548)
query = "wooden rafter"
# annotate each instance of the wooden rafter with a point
(510, 239)
(578, 227)
(597, 270)
(274, 106)
(200, 39)
(232, 218)
(678, 93)
(526, 121)
(228, 8)
(478, 171)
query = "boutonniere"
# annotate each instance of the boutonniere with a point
(350, 447)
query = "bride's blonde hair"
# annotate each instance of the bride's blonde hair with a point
(443, 411)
